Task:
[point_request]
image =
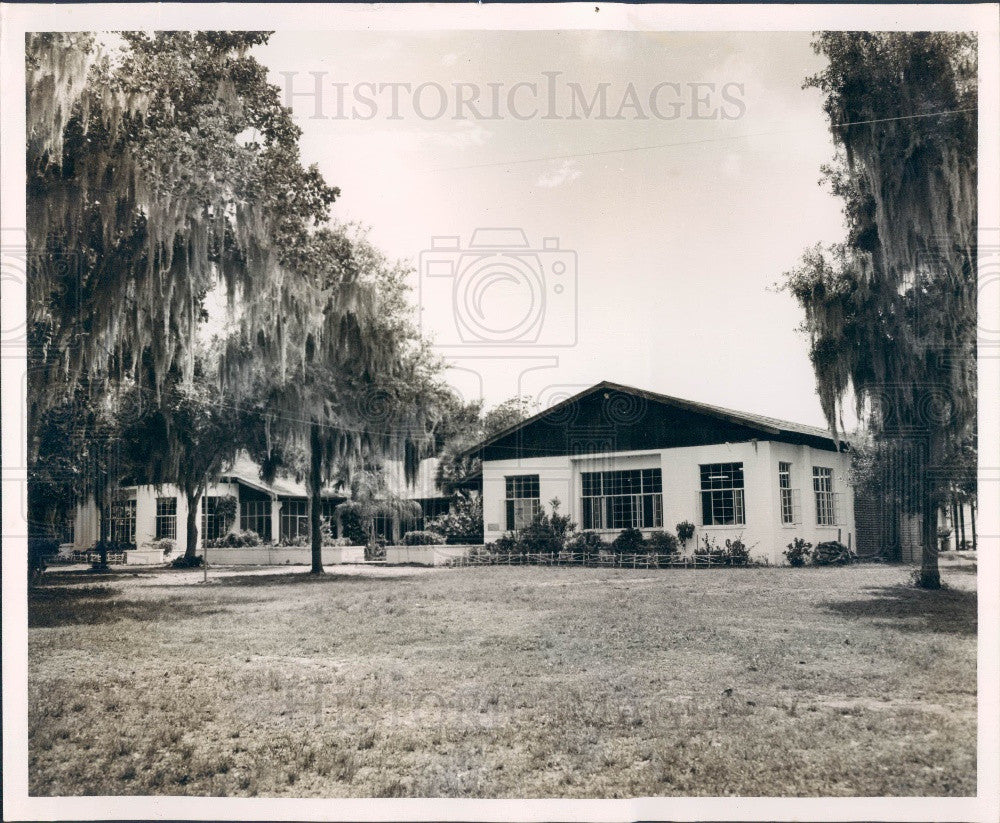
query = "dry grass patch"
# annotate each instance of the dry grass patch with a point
(499, 682)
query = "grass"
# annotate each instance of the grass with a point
(504, 682)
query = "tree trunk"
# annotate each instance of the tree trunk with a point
(316, 505)
(103, 513)
(930, 576)
(972, 522)
(192, 525)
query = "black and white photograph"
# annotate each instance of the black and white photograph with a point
(500, 412)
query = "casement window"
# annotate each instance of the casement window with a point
(294, 519)
(625, 499)
(383, 527)
(122, 521)
(722, 494)
(166, 518)
(67, 533)
(788, 498)
(827, 502)
(523, 501)
(213, 525)
(255, 516)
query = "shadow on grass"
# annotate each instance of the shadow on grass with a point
(54, 606)
(909, 609)
(298, 578)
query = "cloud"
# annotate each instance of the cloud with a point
(566, 172)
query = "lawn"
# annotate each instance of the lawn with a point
(504, 682)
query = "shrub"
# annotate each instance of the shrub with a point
(798, 552)
(507, 544)
(166, 545)
(184, 562)
(832, 552)
(235, 540)
(352, 528)
(685, 531)
(737, 553)
(546, 534)
(463, 522)
(628, 542)
(732, 553)
(710, 550)
(425, 538)
(663, 543)
(375, 550)
(589, 544)
(339, 541)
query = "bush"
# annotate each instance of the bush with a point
(589, 544)
(831, 553)
(685, 531)
(184, 562)
(630, 541)
(375, 550)
(664, 543)
(166, 545)
(507, 544)
(464, 522)
(351, 528)
(425, 538)
(235, 540)
(732, 553)
(546, 534)
(737, 553)
(339, 541)
(798, 552)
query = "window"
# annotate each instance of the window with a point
(623, 499)
(213, 525)
(255, 516)
(722, 494)
(294, 519)
(123, 521)
(826, 500)
(523, 501)
(67, 533)
(166, 518)
(788, 495)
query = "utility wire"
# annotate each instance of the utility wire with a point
(626, 149)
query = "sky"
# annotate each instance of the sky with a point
(670, 212)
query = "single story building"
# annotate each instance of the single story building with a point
(617, 457)
(278, 512)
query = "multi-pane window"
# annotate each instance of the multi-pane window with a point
(826, 502)
(786, 493)
(722, 494)
(166, 518)
(631, 498)
(213, 525)
(67, 533)
(255, 516)
(294, 519)
(123, 521)
(523, 501)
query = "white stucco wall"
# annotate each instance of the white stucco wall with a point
(560, 477)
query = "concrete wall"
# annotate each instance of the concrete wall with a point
(560, 477)
(260, 556)
(424, 555)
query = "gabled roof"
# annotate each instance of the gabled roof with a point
(766, 426)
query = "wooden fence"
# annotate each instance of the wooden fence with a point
(604, 559)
